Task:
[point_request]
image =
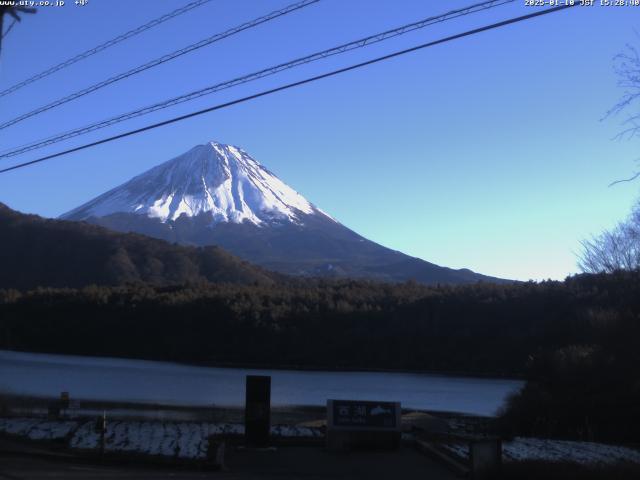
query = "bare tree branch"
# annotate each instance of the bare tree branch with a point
(626, 66)
(630, 179)
(615, 249)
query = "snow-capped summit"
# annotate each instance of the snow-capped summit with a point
(217, 178)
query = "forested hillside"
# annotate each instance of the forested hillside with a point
(37, 252)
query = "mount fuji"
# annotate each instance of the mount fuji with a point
(217, 194)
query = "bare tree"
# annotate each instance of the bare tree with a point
(626, 65)
(615, 249)
(619, 248)
(14, 12)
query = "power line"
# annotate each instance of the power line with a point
(296, 84)
(104, 46)
(165, 58)
(363, 42)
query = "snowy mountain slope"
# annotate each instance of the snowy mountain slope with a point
(213, 178)
(216, 194)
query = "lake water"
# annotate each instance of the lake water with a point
(123, 380)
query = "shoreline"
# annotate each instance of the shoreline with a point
(18, 405)
(294, 368)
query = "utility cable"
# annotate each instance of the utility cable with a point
(296, 84)
(103, 46)
(363, 42)
(159, 61)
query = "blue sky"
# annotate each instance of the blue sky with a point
(487, 153)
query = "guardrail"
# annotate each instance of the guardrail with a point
(483, 457)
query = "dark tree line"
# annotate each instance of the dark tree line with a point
(481, 328)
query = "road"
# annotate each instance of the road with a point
(23, 468)
(284, 463)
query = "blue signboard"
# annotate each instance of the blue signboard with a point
(363, 415)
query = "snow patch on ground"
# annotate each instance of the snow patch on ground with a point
(190, 440)
(36, 429)
(584, 453)
(182, 440)
(561, 450)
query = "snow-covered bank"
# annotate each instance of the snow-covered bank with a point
(180, 440)
(190, 440)
(583, 453)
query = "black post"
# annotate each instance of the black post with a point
(64, 402)
(101, 428)
(257, 412)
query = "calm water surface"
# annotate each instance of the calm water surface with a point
(111, 379)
